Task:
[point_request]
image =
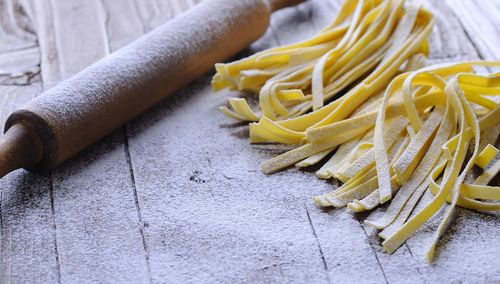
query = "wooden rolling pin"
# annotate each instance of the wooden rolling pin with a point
(81, 110)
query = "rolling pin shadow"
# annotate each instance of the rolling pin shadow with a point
(81, 110)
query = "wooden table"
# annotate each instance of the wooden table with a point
(177, 196)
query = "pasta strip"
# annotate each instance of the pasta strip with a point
(361, 91)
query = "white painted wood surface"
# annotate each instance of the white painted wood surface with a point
(177, 196)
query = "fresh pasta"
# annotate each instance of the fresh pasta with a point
(360, 100)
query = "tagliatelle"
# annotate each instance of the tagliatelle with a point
(400, 129)
(451, 188)
(367, 35)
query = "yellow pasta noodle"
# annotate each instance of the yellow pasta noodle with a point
(360, 101)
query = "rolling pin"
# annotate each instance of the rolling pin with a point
(81, 110)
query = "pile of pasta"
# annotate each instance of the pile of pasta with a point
(359, 100)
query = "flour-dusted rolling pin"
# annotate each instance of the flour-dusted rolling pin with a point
(81, 110)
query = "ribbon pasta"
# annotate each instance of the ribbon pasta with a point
(400, 128)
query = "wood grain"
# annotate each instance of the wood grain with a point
(19, 52)
(177, 195)
(28, 247)
(105, 244)
(159, 234)
(481, 22)
(27, 236)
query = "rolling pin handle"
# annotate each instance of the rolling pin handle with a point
(20, 147)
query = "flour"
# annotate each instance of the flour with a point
(19, 53)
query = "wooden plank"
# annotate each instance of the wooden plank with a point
(27, 236)
(481, 21)
(183, 197)
(19, 53)
(27, 241)
(205, 218)
(153, 13)
(98, 235)
(210, 214)
(448, 41)
(47, 42)
(292, 24)
(465, 254)
(123, 25)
